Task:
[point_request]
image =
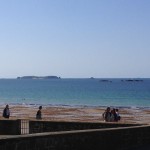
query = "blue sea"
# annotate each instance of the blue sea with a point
(76, 92)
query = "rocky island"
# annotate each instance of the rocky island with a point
(38, 77)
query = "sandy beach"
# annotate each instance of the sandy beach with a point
(82, 114)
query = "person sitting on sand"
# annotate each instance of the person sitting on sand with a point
(6, 112)
(39, 113)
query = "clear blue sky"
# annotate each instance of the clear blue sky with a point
(75, 38)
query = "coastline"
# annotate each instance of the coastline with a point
(77, 113)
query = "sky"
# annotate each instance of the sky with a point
(75, 38)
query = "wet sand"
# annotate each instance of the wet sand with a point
(81, 114)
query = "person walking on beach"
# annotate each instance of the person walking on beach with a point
(39, 113)
(6, 112)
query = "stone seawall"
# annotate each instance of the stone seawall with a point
(10, 127)
(17, 127)
(50, 126)
(121, 138)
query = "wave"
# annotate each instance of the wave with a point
(75, 106)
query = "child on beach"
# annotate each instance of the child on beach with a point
(118, 116)
(39, 113)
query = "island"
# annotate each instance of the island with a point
(133, 80)
(105, 80)
(39, 77)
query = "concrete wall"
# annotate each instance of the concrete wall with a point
(10, 127)
(17, 127)
(126, 138)
(50, 126)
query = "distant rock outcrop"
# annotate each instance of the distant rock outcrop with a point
(38, 77)
(105, 80)
(132, 80)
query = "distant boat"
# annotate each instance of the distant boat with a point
(105, 80)
(132, 80)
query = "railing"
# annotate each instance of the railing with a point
(24, 126)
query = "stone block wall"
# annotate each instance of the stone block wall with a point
(121, 138)
(51, 126)
(17, 127)
(10, 127)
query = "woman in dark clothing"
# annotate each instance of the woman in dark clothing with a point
(6, 112)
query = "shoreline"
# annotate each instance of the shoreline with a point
(77, 113)
(73, 106)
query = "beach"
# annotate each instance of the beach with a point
(80, 114)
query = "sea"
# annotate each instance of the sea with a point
(89, 92)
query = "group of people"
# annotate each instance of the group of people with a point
(6, 112)
(111, 115)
